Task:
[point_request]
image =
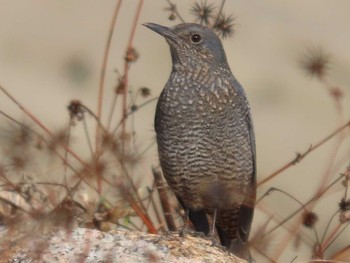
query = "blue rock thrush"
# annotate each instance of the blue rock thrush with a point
(205, 136)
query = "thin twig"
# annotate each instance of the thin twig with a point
(335, 234)
(48, 131)
(111, 112)
(174, 9)
(299, 156)
(134, 205)
(156, 209)
(87, 136)
(132, 111)
(103, 70)
(125, 78)
(328, 226)
(315, 197)
(164, 197)
(219, 13)
(65, 169)
(41, 125)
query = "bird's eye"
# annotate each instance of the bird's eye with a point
(195, 38)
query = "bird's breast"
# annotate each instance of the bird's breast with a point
(202, 140)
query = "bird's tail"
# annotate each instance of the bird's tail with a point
(237, 246)
(233, 227)
(241, 249)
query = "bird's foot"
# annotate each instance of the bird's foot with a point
(214, 240)
(198, 234)
(186, 231)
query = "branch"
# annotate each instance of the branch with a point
(301, 156)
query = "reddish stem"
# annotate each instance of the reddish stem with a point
(303, 155)
(126, 70)
(103, 71)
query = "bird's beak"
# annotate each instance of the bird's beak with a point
(164, 31)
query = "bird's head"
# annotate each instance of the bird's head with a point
(192, 45)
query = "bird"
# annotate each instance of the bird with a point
(205, 136)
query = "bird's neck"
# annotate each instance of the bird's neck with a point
(200, 73)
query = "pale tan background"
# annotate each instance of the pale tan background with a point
(41, 40)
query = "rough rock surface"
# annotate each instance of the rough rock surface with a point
(88, 245)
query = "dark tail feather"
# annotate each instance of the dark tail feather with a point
(236, 246)
(241, 249)
(198, 219)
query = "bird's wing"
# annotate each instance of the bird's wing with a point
(246, 212)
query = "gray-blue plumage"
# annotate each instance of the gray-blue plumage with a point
(205, 135)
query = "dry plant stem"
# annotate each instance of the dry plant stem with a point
(164, 199)
(149, 146)
(47, 130)
(219, 13)
(156, 209)
(296, 226)
(3, 200)
(328, 174)
(111, 112)
(134, 225)
(314, 198)
(40, 124)
(65, 169)
(132, 112)
(134, 205)
(338, 254)
(283, 242)
(176, 12)
(98, 121)
(134, 189)
(87, 136)
(98, 151)
(333, 236)
(278, 219)
(285, 193)
(126, 70)
(303, 155)
(328, 226)
(338, 105)
(271, 260)
(335, 233)
(103, 70)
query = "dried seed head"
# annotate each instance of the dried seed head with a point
(344, 217)
(57, 139)
(344, 205)
(23, 135)
(172, 9)
(224, 26)
(76, 110)
(120, 88)
(203, 12)
(19, 162)
(110, 141)
(131, 55)
(172, 16)
(309, 219)
(133, 108)
(315, 62)
(145, 92)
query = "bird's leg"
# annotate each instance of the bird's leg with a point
(212, 230)
(184, 228)
(211, 234)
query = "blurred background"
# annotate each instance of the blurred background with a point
(51, 52)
